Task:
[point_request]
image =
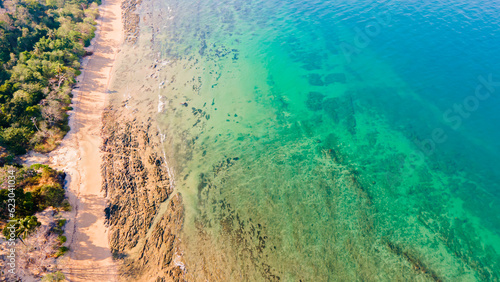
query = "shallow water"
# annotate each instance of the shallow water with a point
(333, 140)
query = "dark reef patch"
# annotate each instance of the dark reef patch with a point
(335, 78)
(315, 79)
(314, 101)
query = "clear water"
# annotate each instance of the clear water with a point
(333, 140)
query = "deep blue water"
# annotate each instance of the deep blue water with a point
(441, 49)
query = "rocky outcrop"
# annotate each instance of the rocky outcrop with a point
(143, 215)
(130, 20)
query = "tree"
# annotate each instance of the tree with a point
(23, 227)
(28, 225)
(16, 139)
(52, 112)
(41, 43)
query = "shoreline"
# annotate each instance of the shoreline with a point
(79, 155)
(145, 214)
(90, 256)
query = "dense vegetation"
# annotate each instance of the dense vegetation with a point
(41, 43)
(37, 188)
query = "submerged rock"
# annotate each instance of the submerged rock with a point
(335, 78)
(314, 101)
(330, 106)
(315, 79)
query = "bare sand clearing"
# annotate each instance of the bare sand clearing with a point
(89, 258)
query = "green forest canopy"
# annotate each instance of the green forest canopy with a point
(41, 43)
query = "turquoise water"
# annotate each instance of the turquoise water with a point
(333, 140)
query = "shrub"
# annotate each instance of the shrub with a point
(61, 251)
(56, 276)
(52, 195)
(62, 239)
(59, 228)
(66, 206)
(26, 204)
(61, 222)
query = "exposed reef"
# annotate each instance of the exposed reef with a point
(130, 20)
(143, 214)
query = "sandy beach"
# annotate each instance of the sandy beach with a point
(89, 258)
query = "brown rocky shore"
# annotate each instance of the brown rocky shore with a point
(130, 20)
(143, 214)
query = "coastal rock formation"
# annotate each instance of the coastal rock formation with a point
(143, 214)
(130, 20)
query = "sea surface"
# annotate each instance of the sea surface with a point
(333, 140)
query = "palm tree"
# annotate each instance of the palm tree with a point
(26, 226)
